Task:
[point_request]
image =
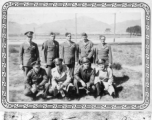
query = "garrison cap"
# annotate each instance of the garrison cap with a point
(84, 34)
(101, 61)
(29, 33)
(58, 60)
(37, 62)
(85, 60)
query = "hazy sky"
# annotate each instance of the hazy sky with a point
(45, 15)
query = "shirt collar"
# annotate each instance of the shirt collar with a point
(84, 69)
(105, 69)
(85, 43)
(69, 43)
(60, 70)
(37, 72)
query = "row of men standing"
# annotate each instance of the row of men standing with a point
(69, 51)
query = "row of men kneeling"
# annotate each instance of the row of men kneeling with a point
(93, 81)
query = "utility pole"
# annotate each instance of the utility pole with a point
(34, 32)
(114, 27)
(76, 26)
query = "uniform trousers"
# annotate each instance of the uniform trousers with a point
(48, 71)
(78, 85)
(66, 91)
(71, 69)
(26, 69)
(29, 92)
(102, 86)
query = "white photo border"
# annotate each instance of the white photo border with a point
(88, 106)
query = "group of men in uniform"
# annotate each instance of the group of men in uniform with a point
(59, 78)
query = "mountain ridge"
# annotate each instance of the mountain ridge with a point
(84, 24)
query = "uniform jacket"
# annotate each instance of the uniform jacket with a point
(103, 53)
(69, 52)
(87, 75)
(36, 78)
(85, 50)
(64, 77)
(28, 54)
(50, 51)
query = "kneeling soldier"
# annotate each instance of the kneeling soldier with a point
(104, 78)
(84, 77)
(61, 80)
(36, 80)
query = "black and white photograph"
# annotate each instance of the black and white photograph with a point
(75, 53)
(72, 56)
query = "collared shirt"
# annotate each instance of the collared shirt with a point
(87, 75)
(69, 52)
(63, 76)
(85, 49)
(36, 78)
(28, 53)
(50, 51)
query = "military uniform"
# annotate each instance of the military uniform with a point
(103, 53)
(69, 55)
(28, 53)
(86, 50)
(50, 51)
(107, 85)
(86, 75)
(34, 79)
(60, 78)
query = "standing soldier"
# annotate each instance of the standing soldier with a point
(103, 51)
(28, 53)
(50, 51)
(69, 53)
(85, 48)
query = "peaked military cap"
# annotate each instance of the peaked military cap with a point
(84, 34)
(58, 60)
(29, 33)
(101, 61)
(85, 60)
(37, 62)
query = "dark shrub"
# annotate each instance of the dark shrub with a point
(114, 50)
(116, 66)
(13, 50)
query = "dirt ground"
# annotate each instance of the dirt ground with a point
(129, 83)
(78, 115)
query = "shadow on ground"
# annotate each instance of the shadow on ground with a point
(117, 82)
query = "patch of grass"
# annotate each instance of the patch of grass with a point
(120, 51)
(133, 93)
